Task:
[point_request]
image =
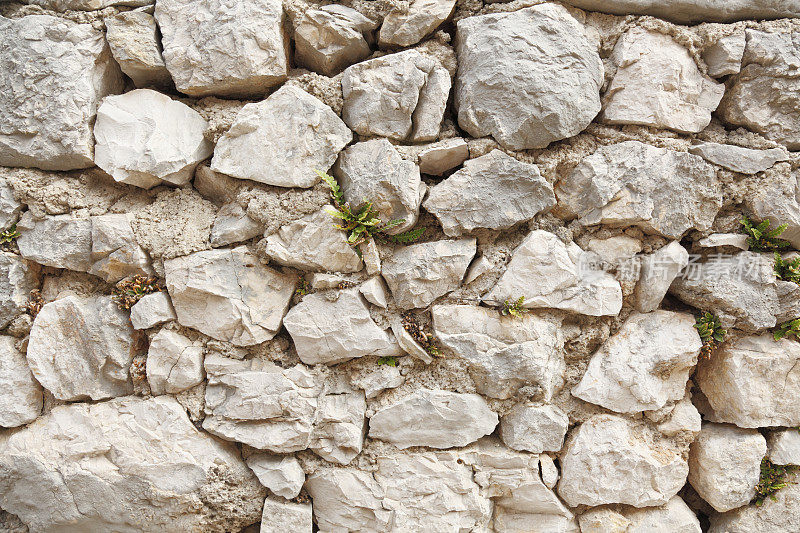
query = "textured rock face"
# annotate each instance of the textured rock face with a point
(134, 41)
(280, 516)
(60, 241)
(82, 348)
(115, 252)
(738, 159)
(689, 11)
(603, 447)
(152, 310)
(233, 225)
(281, 474)
(57, 71)
(784, 447)
(534, 428)
(751, 382)
(174, 363)
(724, 56)
(332, 38)
(675, 515)
(493, 191)
(725, 465)
(20, 393)
(779, 202)
(774, 516)
(145, 453)
(144, 137)
(658, 84)
(16, 282)
(282, 140)
(229, 295)
(405, 28)
(658, 271)
(199, 36)
(644, 365)
(400, 96)
(523, 53)
(635, 184)
(503, 353)
(439, 157)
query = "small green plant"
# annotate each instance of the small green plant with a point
(787, 270)
(763, 239)
(787, 329)
(773, 478)
(303, 287)
(711, 332)
(388, 361)
(131, 289)
(514, 308)
(9, 235)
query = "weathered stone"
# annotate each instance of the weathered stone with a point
(608, 459)
(330, 332)
(375, 292)
(684, 418)
(724, 56)
(10, 207)
(439, 157)
(691, 11)
(232, 225)
(82, 348)
(281, 474)
(493, 191)
(658, 271)
(615, 251)
(504, 353)
(433, 418)
(478, 268)
(548, 470)
(229, 295)
(201, 40)
(534, 428)
(753, 382)
(20, 393)
(764, 95)
(408, 344)
(738, 159)
(174, 363)
(545, 76)
(373, 171)
(282, 516)
(737, 240)
(144, 137)
(346, 499)
(635, 184)
(725, 465)
(115, 252)
(17, 280)
(549, 273)
(371, 257)
(332, 38)
(339, 426)
(657, 83)
(134, 40)
(784, 446)
(56, 72)
(675, 515)
(378, 379)
(282, 140)
(419, 274)
(60, 241)
(400, 96)
(151, 310)
(778, 200)
(408, 27)
(85, 5)
(125, 465)
(775, 516)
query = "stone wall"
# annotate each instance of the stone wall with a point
(188, 342)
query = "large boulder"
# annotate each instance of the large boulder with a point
(691, 11)
(332, 38)
(134, 40)
(17, 280)
(527, 78)
(20, 393)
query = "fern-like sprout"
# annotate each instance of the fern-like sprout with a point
(787, 329)
(514, 308)
(760, 238)
(388, 361)
(773, 478)
(7, 236)
(787, 270)
(711, 333)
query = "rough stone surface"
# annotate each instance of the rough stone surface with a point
(233, 225)
(174, 363)
(737, 240)
(527, 78)
(20, 393)
(115, 251)
(56, 73)
(784, 446)
(658, 271)
(200, 36)
(738, 159)
(282, 140)
(229, 295)
(282, 516)
(534, 428)
(331, 38)
(494, 191)
(375, 292)
(779, 202)
(438, 158)
(153, 309)
(724, 56)
(774, 516)
(60, 241)
(17, 279)
(675, 515)
(689, 11)
(406, 28)
(339, 426)
(281, 474)
(134, 40)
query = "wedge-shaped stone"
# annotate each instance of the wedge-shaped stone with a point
(174, 363)
(534, 428)
(115, 252)
(20, 393)
(658, 271)
(153, 309)
(332, 38)
(281, 474)
(738, 159)
(17, 280)
(135, 42)
(406, 28)
(691, 11)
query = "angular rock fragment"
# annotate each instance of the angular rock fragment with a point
(675, 515)
(437, 158)
(17, 280)
(226, 49)
(494, 191)
(229, 295)
(20, 393)
(232, 225)
(408, 344)
(658, 271)
(134, 40)
(784, 446)
(56, 72)
(281, 474)
(775, 516)
(10, 207)
(374, 291)
(724, 57)
(348, 499)
(691, 11)
(684, 418)
(282, 140)
(527, 78)
(737, 240)
(332, 38)
(60, 241)
(339, 426)
(434, 418)
(283, 516)
(174, 363)
(534, 428)
(778, 200)
(419, 274)
(615, 250)
(115, 252)
(153, 309)
(738, 159)
(406, 28)
(378, 379)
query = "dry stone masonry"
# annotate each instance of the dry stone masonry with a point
(400, 266)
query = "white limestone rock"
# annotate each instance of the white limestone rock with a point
(683, 419)
(56, 72)
(331, 38)
(433, 418)
(550, 274)
(635, 184)
(378, 379)
(675, 516)
(330, 332)
(738, 159)
(439, 157)
(408, 344)
(85, 5)
(399, 96)
(144, 137)
(737, 240)
(128, 464)
(784, 446)
(504, 353)
(548, 470)
(375, 292)
(347, 499)
(534, 428)
(725, 465)
(371, 257)
(692, 11)
(644, 365)
(313, 243)
(339, 426)
(657, 83)
(227, 49)
(60, 241)
(82, 348)
(20, 393)
(282, 140)
(420, 273)
(545, 76)
(17, 280)
(753, 382)
(778, 200)
(283, 516)
(115, 252)
(10, 207)
(374, 171)
(724, 56)
(281, 474)
(478, 268)
(774, 516)
(658, 271)
(609, 459)
(174, 363)
(494, 191)
(134, 40)
(765, 95)
(229, 295)
(408, 27)
(232, 225)
(615, 251)
(151, 310)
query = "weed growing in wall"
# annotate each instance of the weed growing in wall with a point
(760, 238)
